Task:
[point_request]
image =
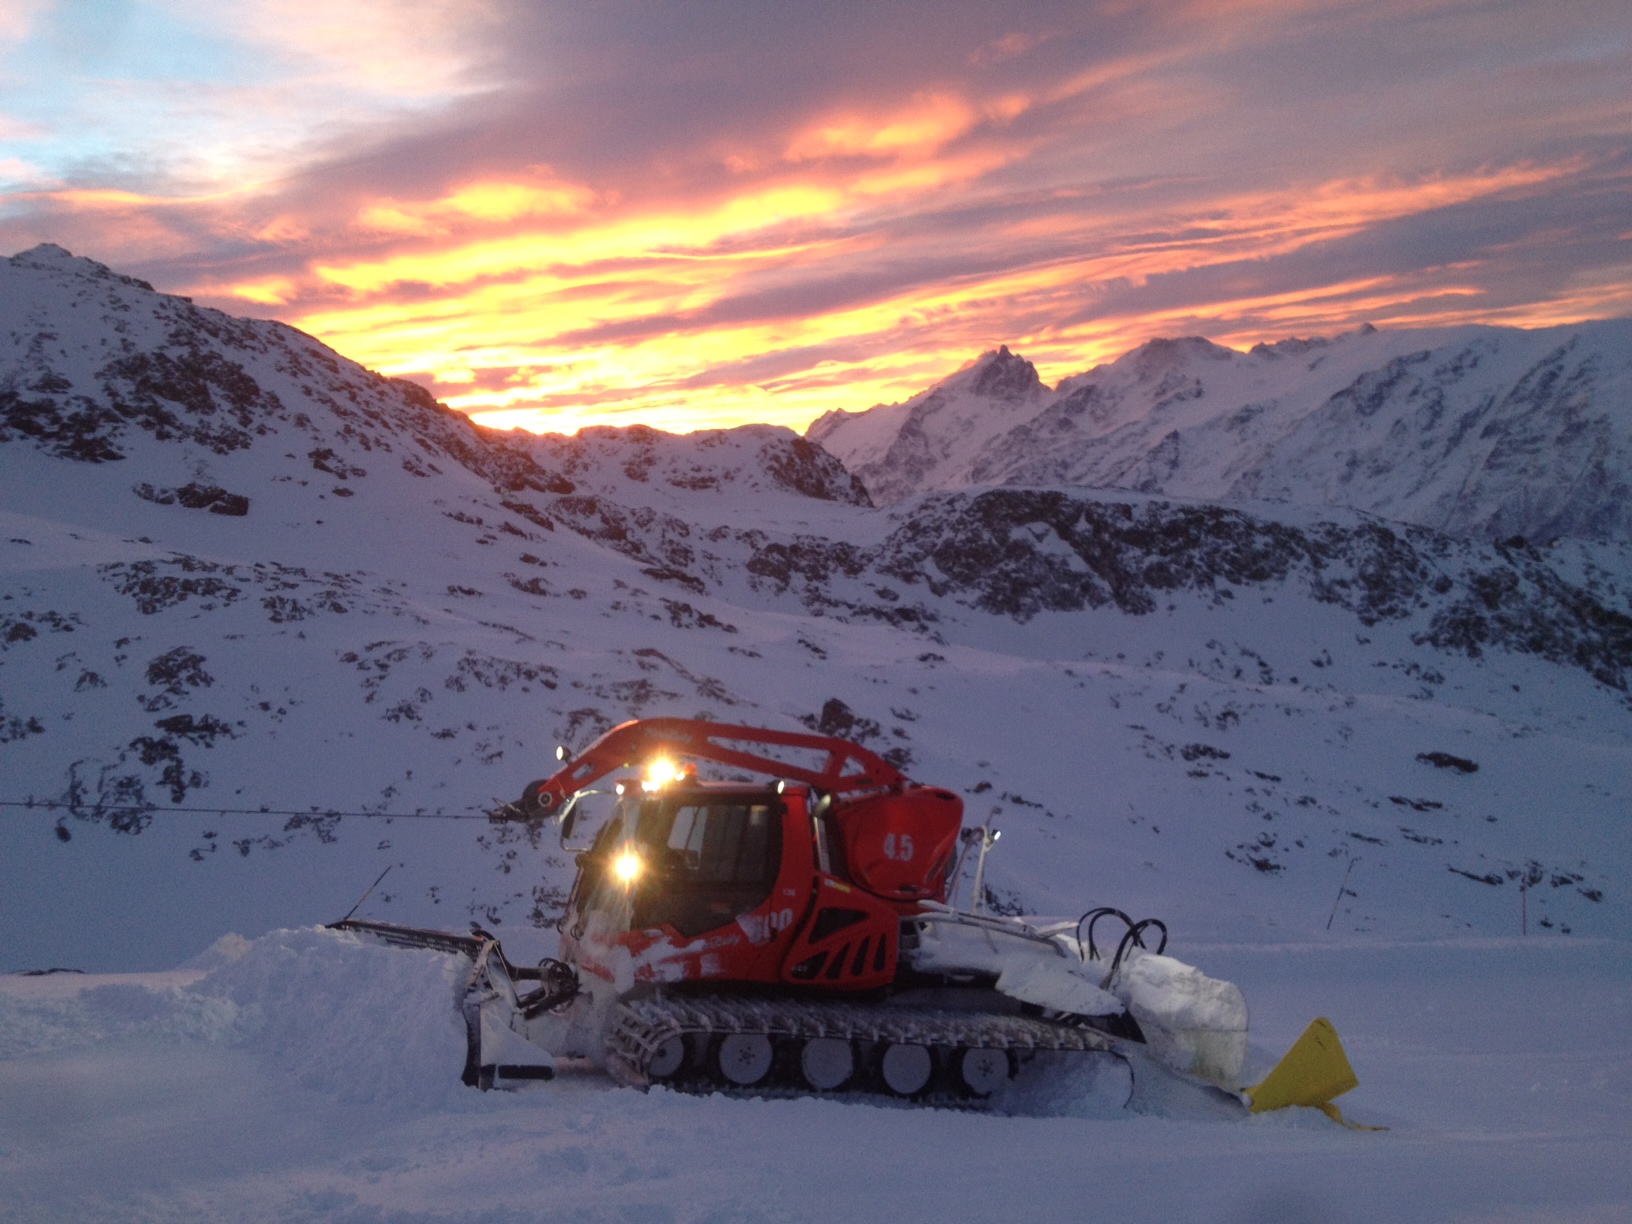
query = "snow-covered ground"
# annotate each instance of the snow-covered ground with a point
(315, 1079)
(270, 624)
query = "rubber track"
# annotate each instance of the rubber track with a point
(642, 1025)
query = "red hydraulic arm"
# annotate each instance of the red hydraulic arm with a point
(849, 767)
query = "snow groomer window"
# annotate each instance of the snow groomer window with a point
(712, 843)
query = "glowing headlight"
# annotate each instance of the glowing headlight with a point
(658, 773)
(626, 866)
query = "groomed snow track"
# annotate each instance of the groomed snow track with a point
(786, 1048)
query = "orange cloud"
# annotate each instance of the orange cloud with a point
(572, 240)
(845, 256)
(575, 310)
(917, 130)
(483, 203)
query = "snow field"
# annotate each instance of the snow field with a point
(325, 1089)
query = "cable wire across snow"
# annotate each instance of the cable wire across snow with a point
(57, 805)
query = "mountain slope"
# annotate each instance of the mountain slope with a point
(1479, 431)
(271, 624)
(928, 441)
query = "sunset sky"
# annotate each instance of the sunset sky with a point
(701, 214)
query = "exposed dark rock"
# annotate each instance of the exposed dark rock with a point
(154, 589)
(838, 719)
(25, 626)
(172, 674)
(196, 497)
(14, 728)
(804, 467)
(1022, 552)
(1444, 760)
(203, 729)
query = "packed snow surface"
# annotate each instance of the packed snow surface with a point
(310, 1077)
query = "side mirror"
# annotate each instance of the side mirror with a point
(569, 821)
(581, 816)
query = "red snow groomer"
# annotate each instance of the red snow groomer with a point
(795, 933)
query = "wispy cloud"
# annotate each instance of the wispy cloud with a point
(176, 97)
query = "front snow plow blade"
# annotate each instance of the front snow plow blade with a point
(1313, 1072)
(495, 1015)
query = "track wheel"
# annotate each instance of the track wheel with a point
(667, 1058)
(906, 1068)
(984, 1071)
(745, 1058)
(827, 1062)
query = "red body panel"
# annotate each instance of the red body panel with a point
(850, 941)
(900, 845)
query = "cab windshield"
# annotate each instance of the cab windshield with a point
(707, 842)
(704, 859)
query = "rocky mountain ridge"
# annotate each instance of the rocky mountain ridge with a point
(1475, 431)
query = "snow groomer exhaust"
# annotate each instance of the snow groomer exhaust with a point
(800, 935)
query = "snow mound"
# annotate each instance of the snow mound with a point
(333, 1013)
(1070, 1085)
(227, 950)
(327, 1011)
(74, 1013)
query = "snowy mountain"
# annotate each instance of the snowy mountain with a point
(1477, 431)
(273, 623)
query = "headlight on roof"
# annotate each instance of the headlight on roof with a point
(659, 773)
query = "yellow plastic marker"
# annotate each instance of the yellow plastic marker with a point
(1314, 1071)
